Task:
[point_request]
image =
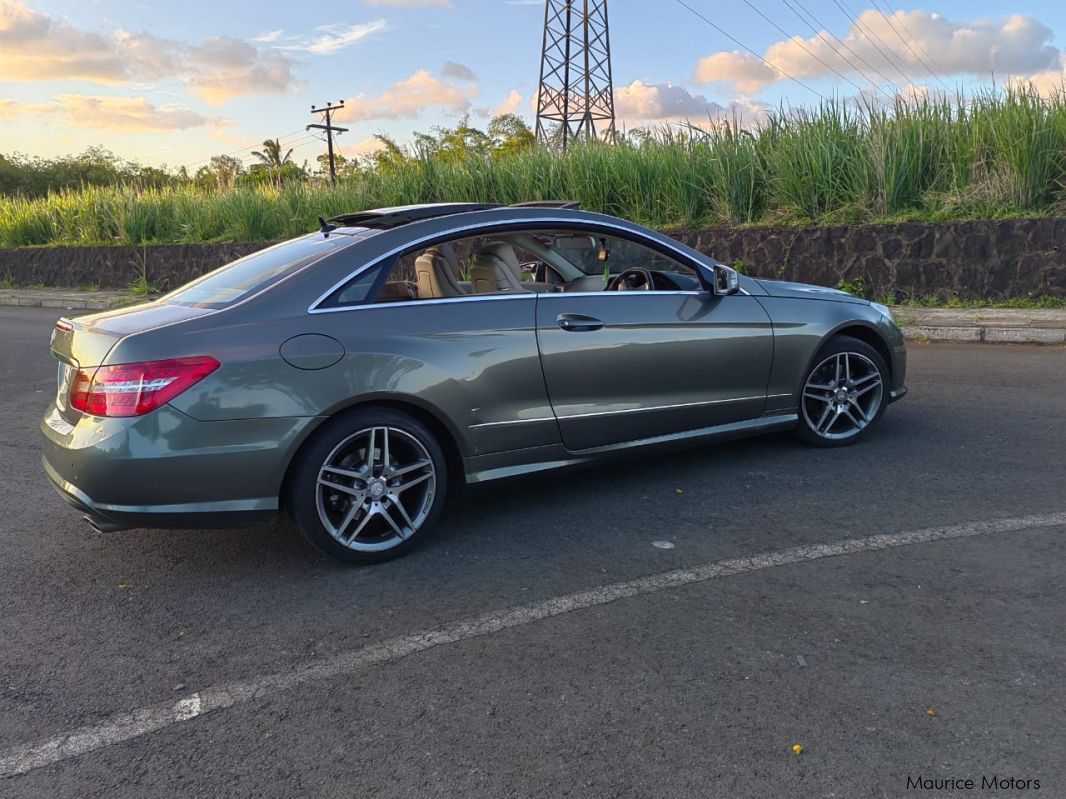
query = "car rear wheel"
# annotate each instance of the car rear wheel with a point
(369, 486)
(843, 394)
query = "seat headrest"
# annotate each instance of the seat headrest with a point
(447, 252)
(505, 253)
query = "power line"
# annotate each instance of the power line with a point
(823, 26)
(246, 149)
(744, 47)
(870, 36)
(921, 60)
(799, 41)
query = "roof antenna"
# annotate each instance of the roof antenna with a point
(325, 227)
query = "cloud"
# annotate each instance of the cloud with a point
(1017, 45)
(1051, 82)
(269, 36)
(114, 114)
(510, 105)
(410, 3)
(37, 47)
(457, 71)
(408, 99)
(641, 103)
(363, 148)
(332, 38)
(743, 70)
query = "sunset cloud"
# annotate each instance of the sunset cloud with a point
(1018, 45)
(113, 114)
(37, 47)
(408, 99)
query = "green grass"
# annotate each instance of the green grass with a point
(999, 155)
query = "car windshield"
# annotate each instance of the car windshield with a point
(242, 277)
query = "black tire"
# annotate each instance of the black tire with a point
(341, 438)
(860, 410)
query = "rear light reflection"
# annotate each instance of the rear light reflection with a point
(134, 389)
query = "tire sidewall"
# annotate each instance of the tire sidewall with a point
(834, 346)
(301, 505)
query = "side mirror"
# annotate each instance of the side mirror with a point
(720, 279)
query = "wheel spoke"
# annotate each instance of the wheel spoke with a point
(350, 490)
(398, 504)
(344, 472)
(847, 412)
(392, 522)
(827, 398)
(858, 381)
(411, 483)
(409, 468)
(821, 420)
(861, 412)
(385, 448)
(371, 512)
(349, 516)
(370, 452)
(820, 386)
(868, 388)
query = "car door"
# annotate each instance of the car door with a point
(629, 365)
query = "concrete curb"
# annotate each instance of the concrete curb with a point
(60, 299)
(986, 335)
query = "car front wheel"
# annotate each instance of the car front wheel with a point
(368, 486)
(843, 394)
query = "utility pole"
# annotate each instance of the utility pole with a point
(330, 129)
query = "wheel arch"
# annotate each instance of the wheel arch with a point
(425, 413)
(868, 334)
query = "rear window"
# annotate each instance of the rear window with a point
(254, 272)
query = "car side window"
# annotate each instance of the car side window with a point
(458, 268)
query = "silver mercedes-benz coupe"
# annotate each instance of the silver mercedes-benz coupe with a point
(356, 376)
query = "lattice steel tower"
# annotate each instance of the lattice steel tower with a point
(576, 98)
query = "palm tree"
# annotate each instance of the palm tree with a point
(270, 157)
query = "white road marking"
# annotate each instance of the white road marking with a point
(124, 726)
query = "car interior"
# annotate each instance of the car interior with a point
(523, 262)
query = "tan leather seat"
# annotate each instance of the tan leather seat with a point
(437, 272)
(496, 270)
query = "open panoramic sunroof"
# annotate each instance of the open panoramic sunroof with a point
(383, 218)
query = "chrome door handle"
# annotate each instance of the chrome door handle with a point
(578, 323)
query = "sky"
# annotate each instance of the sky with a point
(177, 82)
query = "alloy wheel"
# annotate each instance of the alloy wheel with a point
(842, 395)
(375, 489)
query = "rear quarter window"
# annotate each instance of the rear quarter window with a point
(245, 276)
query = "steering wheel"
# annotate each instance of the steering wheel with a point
(633, 279)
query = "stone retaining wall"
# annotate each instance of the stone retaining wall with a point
(969, 260)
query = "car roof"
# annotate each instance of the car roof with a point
(386, 218)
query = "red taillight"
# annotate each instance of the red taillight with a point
(134, 389)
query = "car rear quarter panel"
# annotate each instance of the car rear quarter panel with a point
(474, 365)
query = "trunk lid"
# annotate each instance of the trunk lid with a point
(85, 341)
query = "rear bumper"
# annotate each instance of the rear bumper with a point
(107, 518)
(169, 470)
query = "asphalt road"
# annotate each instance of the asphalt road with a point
(700, 689)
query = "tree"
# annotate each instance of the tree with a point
(224, 170)
(271, 159)
(510, 134)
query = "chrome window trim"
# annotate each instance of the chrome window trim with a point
(443, 235)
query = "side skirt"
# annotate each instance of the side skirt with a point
(500, 465)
